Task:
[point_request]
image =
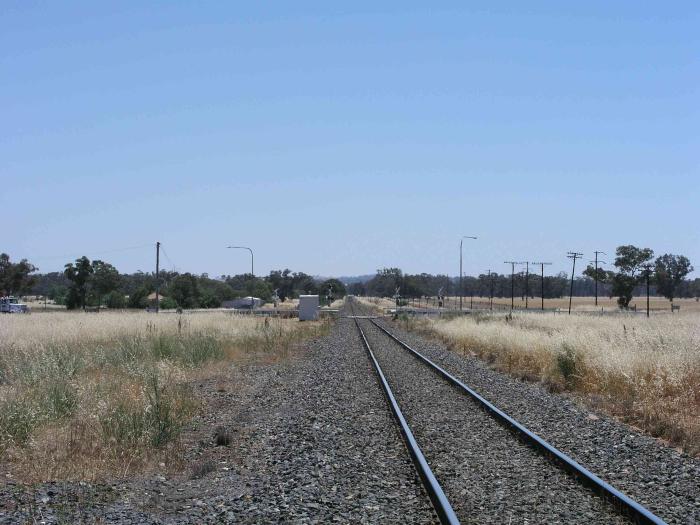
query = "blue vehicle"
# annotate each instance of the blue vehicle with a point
(10, 305)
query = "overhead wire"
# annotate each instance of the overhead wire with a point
(102, 252)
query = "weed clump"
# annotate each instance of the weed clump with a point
(222, 437)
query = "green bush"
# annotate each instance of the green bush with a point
(568, 364)
(139, 299)
(167, 303)
(115, 300)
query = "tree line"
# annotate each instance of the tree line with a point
(84, 283)
(667, 277)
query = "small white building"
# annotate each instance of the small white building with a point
(308, 307)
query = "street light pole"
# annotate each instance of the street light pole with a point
(252, 271)
(461, 289)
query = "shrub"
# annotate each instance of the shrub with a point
(115, 300)
(139, 299)
(168, 303)
(567, 363)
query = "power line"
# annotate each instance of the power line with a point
(172, 264)
(512, 282)
(573, 256)
(102, 252)
(542, 265)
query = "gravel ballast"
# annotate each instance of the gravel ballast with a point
(488, 475)
(664, 480)
(312, 441)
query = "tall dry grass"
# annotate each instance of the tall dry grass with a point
(644, 371)
(82, 395)
(377, 304)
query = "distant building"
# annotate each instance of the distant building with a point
(243, 302)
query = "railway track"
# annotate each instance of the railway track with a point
(478, 464)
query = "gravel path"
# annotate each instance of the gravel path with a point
(488, 475)
(312, 442)
(662, 479)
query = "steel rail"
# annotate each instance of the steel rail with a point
(441, 504)
(625, 504)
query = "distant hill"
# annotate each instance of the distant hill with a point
(348, 279)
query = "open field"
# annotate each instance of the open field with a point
(376, 302)
(583, 303)
(85, 395)
(37, 305)
(644, 371)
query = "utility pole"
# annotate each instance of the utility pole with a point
(512, 282)
(647, 272)
(461, 289)
(490, 291)
(573, 256)
(596, 273)
(542, 265)
(527, 279)
(158, 277)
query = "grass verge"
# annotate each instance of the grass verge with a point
(83, 396)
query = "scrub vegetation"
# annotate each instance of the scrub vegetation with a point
(84, 395)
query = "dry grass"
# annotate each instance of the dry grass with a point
(582, 304)
(289, 304)
(644, 371)
(88, 395)
(378, 304)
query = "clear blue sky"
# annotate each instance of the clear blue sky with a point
(337, 140)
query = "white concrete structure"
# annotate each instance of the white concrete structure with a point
(308, 307)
